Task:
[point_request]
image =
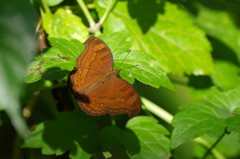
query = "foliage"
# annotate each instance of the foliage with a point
(191, 48)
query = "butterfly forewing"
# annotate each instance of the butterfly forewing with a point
(96, 55)
(85, 80)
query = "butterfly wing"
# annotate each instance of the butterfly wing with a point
(123, 99)
(83, 80)
(96, 55)
(114, 97)
(96, 87)
(92, 64)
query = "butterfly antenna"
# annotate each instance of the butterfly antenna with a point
(124, 58)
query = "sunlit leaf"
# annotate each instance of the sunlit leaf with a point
(233, 124)
(228, 100)
(163, 31)
(194, 120)
(219, 24)
(145, 138)
(226, 75)
(63, 24)
(56, 62)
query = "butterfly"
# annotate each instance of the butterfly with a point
(95, 84)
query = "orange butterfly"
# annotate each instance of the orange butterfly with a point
(96, 86)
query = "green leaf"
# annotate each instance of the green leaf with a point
(233, 124)
(16, 45)
(70, 131)
(63, 24)
(55, 62)
(35, 138)
(219, 24)
(194, 120)
(168, 34)
(54, 2)
(227, 100)
(145, 138)
(135, 64)
(226, 75)
(109, 136)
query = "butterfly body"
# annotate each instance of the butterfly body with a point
(95, 84)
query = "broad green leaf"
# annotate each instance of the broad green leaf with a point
(16, 46)
(228, 100)
(233, 124)
(112, 24)
(56, 62)
(165, 32)
(194, 120)
(226, 75)
(145, 138)
(136, 64)
(65, 25)
(118, 42)
(219, 24)
(71, 131)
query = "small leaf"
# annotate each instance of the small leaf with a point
(65, 25)
(70, 131)
(35, 138)
(227, 100)
(194, 120)
(145, 138)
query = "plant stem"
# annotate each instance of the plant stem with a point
(215, 152)
(209, 150)
(109, 8)
(45, 6)
(158, 111)
(87, 13)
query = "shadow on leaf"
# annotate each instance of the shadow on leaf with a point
(71, 130)
(55, 73)
(145, 12)
(131, 142)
